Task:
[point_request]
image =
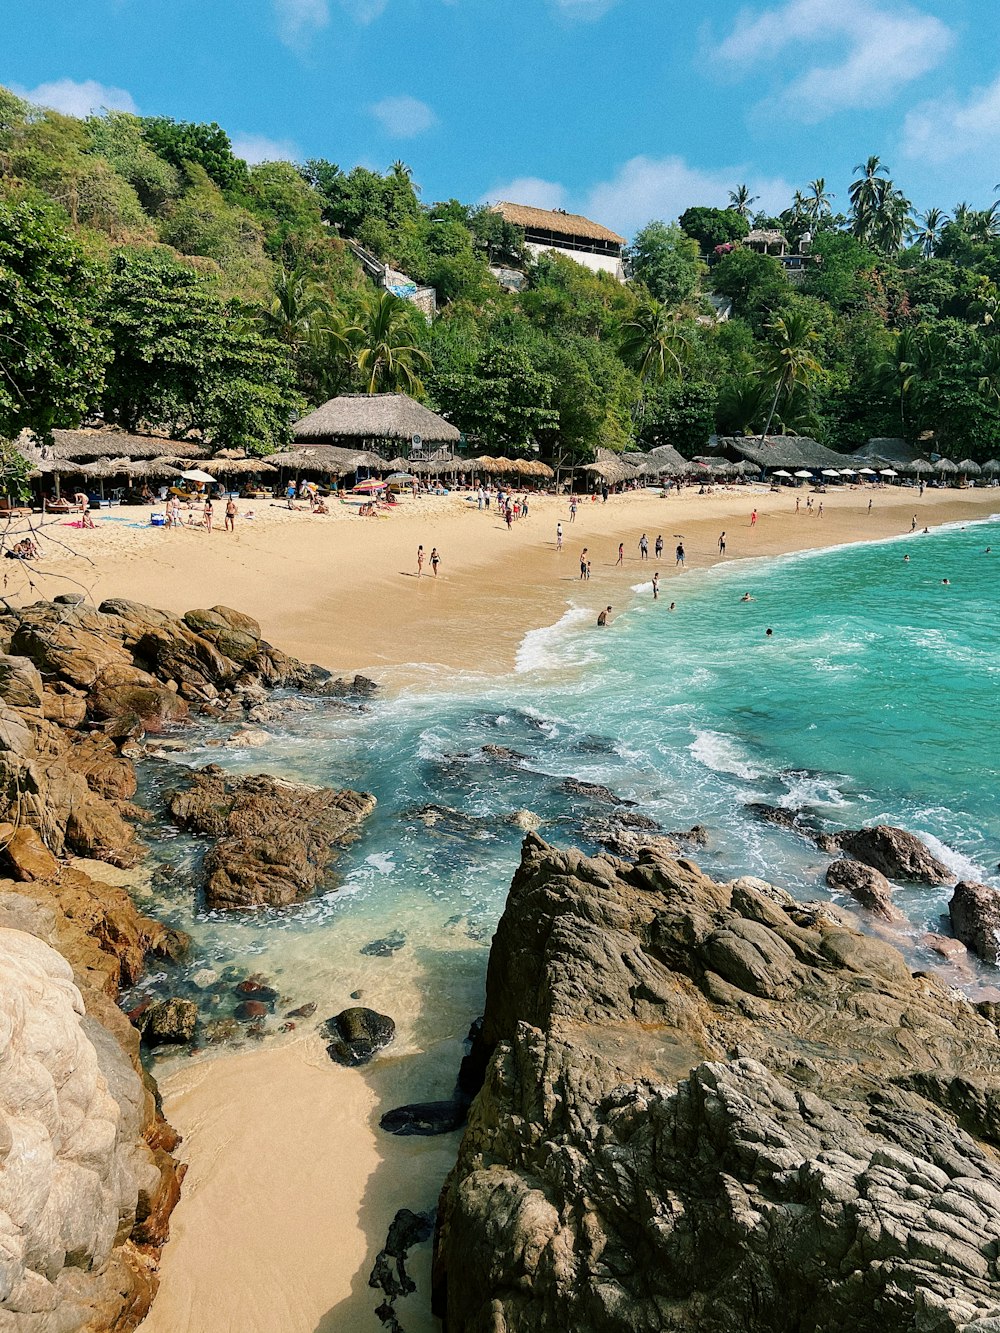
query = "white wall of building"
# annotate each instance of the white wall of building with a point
(596, 263)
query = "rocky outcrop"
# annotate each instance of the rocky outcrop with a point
(892, 851)
(275, 840)
(975, 918)
(709, 1107)
(867, 885)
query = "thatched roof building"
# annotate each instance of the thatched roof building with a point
(888, 451)
(792, 452)
(327, 459)
(589, 243)
(374, 417)
(664, 460)
(84, 445)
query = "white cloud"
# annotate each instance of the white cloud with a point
(644, 188)
(529, 190)
(78, 99)
(298, 20)
(647, 187)
(403, 117)
(877, 46)
(365, 11)
(948, 128)
(254, 148)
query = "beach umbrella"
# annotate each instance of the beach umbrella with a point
(400, 476)
(830, 472)
(780, 472)
(970, 467)
(867, 472)
(888, 472)
(805, 475)
(368, 486)
(992, 467)
(919, 465)
(945, 467)
(196, 474)
(847, 472)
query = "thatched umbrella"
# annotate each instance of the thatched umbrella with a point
(235, 467)
(969, 468)
(944, 467)
(918, 466)
(744, 468)
(991, 467)
(543, 470)
(376, 416)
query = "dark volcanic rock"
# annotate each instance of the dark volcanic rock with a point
(389, 1273)
(867, 885)
(276, 839)
(896, 853)
(357, 1035)
(593, 791)
(384, 947)
(708, 1107)
(172, 1020)
(427, 1118)
(248, 1011)
(975, 918)
(777, 815)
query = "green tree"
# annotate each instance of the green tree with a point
(927, 230)
(665, 260)
(182, 143)
(185, 358)
(203, 222)
(756, 284)
(654, 345)
(118, 137)
(790, 361)
(389, 354)
(52, 357)
(503, 402)
(682, 415)
(741, 201)
(711, 227)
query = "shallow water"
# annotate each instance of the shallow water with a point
(875, 699)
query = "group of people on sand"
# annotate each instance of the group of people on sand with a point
(435, 558)
(308, 490)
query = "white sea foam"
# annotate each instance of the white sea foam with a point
(957, 862)
(722, 754)
(812, 789)
(545, 649)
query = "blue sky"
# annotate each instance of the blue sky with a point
(622, 109)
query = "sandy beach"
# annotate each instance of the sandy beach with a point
(291, 1185)
(342, 590)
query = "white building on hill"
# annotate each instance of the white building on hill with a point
(589, 243)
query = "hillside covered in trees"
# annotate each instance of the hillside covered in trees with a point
(151, 279)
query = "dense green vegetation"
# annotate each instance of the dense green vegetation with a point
(151, 278)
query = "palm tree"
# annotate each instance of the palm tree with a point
(928, 234)
(332, 353)
(653, 344)
(743, 404)
(741, 200)
(866, 195)
(388, 354)
(989, 368)
(892, 220)
(818, 199)
(983, 225)
(789, 359)
(295, 308)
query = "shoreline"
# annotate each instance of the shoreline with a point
(283, 1124)
(344, 592)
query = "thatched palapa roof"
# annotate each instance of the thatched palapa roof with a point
(888, 451)
(93, 444)
(328, 459)
(664, 460)
(375, 416)
(557, 221)
(793, 452)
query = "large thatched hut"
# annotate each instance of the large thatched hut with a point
(372, 420)
(793, 452)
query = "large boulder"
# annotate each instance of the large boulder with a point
(894, 852)
(975, 918)
(276, 840)
(357, 1034)
(708, 1106)
(869, 886)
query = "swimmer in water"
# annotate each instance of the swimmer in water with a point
(906, 559)
(768, 632)
(946, 580)
(746, 597)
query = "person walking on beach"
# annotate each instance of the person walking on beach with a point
(572, 510)
(558, 536)
(435, 560)
(644, 547)
(584, 564)
(658, 545)
(290, 495)
(231, 512)
(208, 514)
(602, 619)
(508, 517)
(753, 519)
(722, 543)
(621, 554)
(921, 488)
(420, 561)
(680, 553)
(913, 523)
(869, 505)
(656, 586)
(819, 511)
(798, 503)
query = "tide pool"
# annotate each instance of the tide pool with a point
(875, 699)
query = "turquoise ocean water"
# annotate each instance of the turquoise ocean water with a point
(876, 699)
